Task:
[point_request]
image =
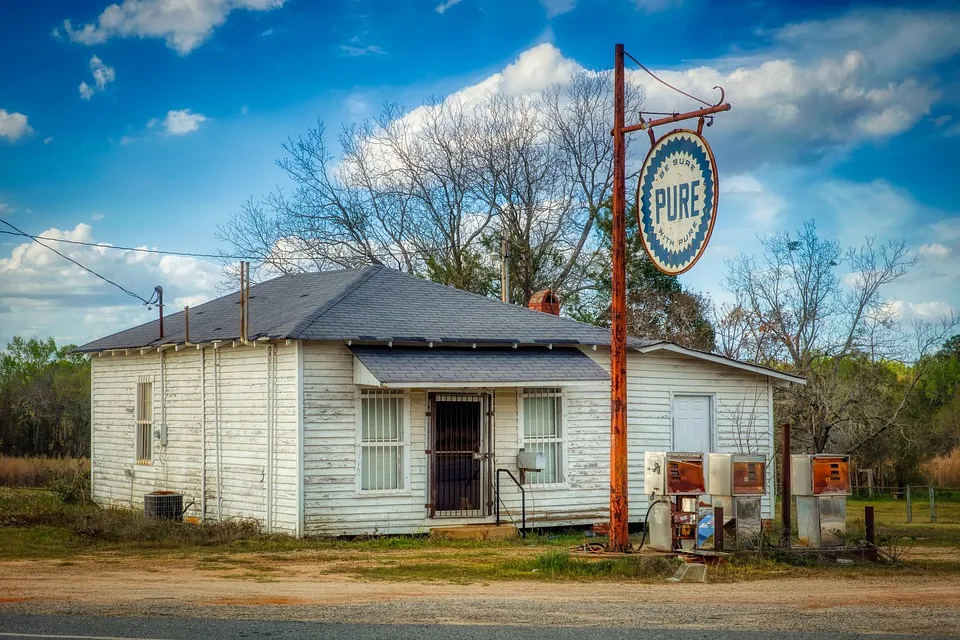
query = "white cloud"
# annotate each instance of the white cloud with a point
(558, 7)
(48, 140)
(941, 120)
(244, 110)
(443, 6)
(43, 294)
(13, 125)
(930, 310)
(356, 47)
(761, 205)
(935, 251)
(102, 76)
(96, 217)
(183, 24)
(180, 121)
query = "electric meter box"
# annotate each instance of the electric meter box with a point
(531, 461)
(820, 475)
(737, 474)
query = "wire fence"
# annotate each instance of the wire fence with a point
(910, 505)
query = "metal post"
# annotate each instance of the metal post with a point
(718, 528)
(159, 291)
(869, 523)
(505, 262)
(618, 324)
(909, 506)
(933, 505)
(786, 496)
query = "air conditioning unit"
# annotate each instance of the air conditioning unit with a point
(167, 505)
(531, 461)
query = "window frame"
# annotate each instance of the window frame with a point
(143, 438)
(404, 444)
(560, 394)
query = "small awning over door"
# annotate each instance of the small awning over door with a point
(413, 367)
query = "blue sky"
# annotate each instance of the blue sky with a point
(848, 113)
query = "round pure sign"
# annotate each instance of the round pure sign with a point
(677, 198)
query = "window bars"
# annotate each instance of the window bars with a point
(543, 433)
(144, 418)
(382, 440)
(460, 482)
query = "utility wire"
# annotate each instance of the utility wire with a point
(664, 82)
(120, 248)
(66, 257)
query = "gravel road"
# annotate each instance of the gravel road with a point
(106, 628)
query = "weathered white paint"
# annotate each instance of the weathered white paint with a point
(271, 433)
(250, 401)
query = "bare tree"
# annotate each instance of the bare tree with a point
(434, 190)
(792, 310)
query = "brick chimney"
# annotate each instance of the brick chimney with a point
(545, 301)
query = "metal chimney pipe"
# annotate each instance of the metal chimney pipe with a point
(186, 325)
(159, 291)
(243, 317)
(246, 297)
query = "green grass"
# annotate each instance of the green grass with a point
(35, 524)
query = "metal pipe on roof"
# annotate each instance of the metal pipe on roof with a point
(186, 325)
(243, 317)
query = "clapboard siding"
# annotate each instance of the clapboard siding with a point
(201, 392)
(332, 503)
(741, 411)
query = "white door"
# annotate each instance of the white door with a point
(691, 424)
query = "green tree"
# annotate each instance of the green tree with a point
(44, 399)
(658, 305)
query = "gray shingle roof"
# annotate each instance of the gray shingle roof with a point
(373, 304)
(410, 365)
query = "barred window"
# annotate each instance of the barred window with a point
(144, 418)
(382, 440)
(543, 432)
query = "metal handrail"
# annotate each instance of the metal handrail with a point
(523, 501)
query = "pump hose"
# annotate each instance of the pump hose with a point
(646, 520)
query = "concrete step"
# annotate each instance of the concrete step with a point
(475, 532)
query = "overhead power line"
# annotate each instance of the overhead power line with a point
(101, 245)
(66, 257)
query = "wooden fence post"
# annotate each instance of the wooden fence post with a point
(909, 507)
(933, 505)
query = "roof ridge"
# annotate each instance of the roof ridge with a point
(364, 274)
(501, 303)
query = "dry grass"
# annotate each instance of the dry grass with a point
(944, 471)
(38, 472)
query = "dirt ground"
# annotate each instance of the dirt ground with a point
(254, 587)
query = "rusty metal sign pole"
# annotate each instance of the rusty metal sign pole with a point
(618, 324)
(619, 539)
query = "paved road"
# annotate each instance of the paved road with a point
(110, 628)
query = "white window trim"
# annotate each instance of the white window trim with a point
(564, 482)
(404, 445)
(136, 420)
(714, 425)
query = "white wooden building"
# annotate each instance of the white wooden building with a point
(372, 402)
